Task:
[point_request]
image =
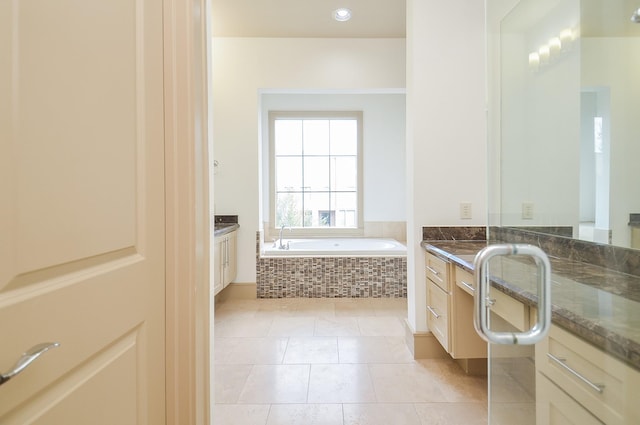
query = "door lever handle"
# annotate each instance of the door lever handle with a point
(26, 359)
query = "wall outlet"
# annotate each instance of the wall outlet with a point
(527, 210)
(465, 211)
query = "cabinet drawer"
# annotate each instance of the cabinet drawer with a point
(438, 313)
(438, 271)
(601, 383)
(509, 309)
(555, 407)
(465, 280)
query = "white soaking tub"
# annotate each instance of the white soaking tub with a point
(336, 247)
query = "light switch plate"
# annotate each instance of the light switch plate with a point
(527, 210)
(465, 211)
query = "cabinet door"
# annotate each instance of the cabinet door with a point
(555, 407)
(231, 266)
(216, 275)
(465, 341)
(438, 313)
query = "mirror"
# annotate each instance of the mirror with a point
(567, 138)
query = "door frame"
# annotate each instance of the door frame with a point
(187, 143)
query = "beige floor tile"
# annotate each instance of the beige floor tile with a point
(337, 326)
(244, 327)
(458, 386)
(389, 307)
(373, 349)
(375, 382)
(233, 314)
(513, 413)
(309, 350)
(271, 309)
(249, 350)
(229, 380)
(240, 414)
(380, 326)
(316, 309)
(380, 414)
(399, 349)
(276, 384)
(292, 326)
(341, 383)
(354, 309)
(305, 414)
(250, 305)
(453, 413)
(403, 383)
(505, 389)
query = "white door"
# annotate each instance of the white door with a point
(82, 211)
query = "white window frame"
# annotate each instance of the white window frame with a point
(315, 231)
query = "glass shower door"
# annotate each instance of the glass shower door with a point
(564, 103)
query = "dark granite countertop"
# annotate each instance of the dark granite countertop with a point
(224, 224)
(599, 305)
(221, 229)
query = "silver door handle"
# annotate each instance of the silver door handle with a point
(469, 287)
(433, 312)
(599, 388)
(26, 359)
(481, 307)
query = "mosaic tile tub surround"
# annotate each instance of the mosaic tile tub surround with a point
(330, 277)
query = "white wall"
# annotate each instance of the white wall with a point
(242, 67)
(614, 62)
(383, 150)
(446, 148)
(540, 138)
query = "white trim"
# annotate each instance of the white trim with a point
(187, 211)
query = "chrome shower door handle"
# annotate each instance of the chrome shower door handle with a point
(482, 303)
(26, 359)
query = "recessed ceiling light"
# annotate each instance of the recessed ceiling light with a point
(342, 14)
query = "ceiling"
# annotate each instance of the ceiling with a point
(308, 18)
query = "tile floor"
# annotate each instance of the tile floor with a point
(332, 362)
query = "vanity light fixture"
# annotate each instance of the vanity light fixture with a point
(566, 36)
(555, 45)
(342, 15)
(534, 60)
(544, 53)
(636, 16)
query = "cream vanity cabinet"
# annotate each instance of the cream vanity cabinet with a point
(450, 310)
(577, 383)
(225, 265)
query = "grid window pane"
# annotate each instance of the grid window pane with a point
(316, 137)
(319, 207)
(289, 209)
(316, 173)
(345, 205)
(288, 137)
(344, 173)
(289, 173)
(344, 137)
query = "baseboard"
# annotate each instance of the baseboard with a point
(423, 345)
(238, 291)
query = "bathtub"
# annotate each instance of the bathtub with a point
(331, 268)
(336, 247)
